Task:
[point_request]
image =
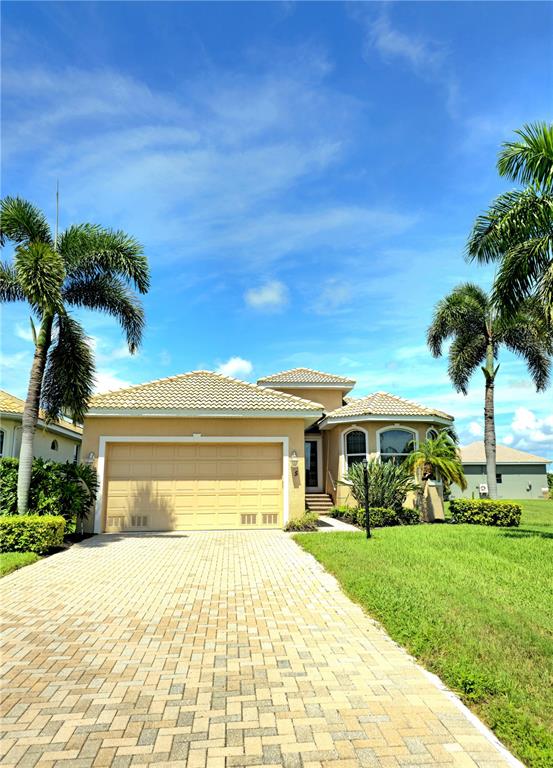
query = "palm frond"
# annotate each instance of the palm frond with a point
(109, 294)
(40, 273)
(523, 271)
(69, 375)
(89, 250)
(22, 222)
(466, 353)
(528, 336)
(530, 160)
(10, 289)
(463, 311)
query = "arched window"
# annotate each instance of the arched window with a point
(54, 445)
(432, 433)
(396, 443)
(356, 447)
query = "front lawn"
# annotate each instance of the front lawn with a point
(11, 561)
(473, 604)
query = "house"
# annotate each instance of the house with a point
(58, 441)
(201, 450)
(519, 475)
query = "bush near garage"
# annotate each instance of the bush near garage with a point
(31, 533)
(504, 514)
(307, 522)
(66, 489)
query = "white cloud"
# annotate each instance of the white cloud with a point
(106, 381)
(475, 428)
(334, 295)
(235, 367)
(392, 42)
(529, 432)
(271, 295)
(24, 333)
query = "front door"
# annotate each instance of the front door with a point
(313, 474)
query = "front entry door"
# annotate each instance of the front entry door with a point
(313, 474)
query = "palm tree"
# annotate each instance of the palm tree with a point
(517, 229)
(468, 316)
(437, 455)
(86, 266)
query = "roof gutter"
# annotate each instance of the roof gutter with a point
(330, 421)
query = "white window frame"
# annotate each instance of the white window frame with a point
(393, 427)
(104, 440)
(432, 429)
(344, 447)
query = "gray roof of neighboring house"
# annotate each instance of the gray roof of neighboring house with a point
(474, 453)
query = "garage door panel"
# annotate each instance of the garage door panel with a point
(187, 486)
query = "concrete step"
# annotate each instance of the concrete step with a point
(320, 503)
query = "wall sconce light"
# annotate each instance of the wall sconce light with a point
(294, 461)
(90, 458)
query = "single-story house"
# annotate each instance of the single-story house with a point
(519, 475)
(58, 441)
(201, 450)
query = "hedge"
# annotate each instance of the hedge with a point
(31, 533)
(379, 517)
(504, 514)
(307, 522)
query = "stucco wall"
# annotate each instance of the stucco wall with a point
(328, 398)
(42, 442)
(333, 450)
(293, 429)
(519, 481)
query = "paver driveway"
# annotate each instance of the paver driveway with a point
(211, 649)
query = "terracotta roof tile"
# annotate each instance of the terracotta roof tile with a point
(201, 390)
(305, 376)
(474, 453)
(384, 404)
(11, 404)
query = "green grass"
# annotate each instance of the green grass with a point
(11, 561)
(473, 604)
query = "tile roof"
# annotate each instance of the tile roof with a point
(305, 376)
(384, 404)
(14, 405)
(475, 453)
(201, 390)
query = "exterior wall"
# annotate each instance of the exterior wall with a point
(516, 479)
(330, 399)
(334, 461)
(42, 442)
(98, 426)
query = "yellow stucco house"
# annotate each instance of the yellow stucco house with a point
(205, 451)
(59, 441)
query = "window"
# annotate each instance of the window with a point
(431, 434)
(356, 447)
(396, 444)
(1, 442)
(76, 453)
(498, 479)
(54, 445)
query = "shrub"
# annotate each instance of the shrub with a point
(410, 516)
(307, 522)
(66, 489)
(379, 517)
(389, 484)
(31, 533)
(347, 514)
(485, 512)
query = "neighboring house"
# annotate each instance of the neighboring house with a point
(58, 441)
(519, 475)
(202, 450)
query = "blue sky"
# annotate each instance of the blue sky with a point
(303, 177)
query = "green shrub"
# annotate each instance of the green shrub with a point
(31, 533)
(389, 484)
(410, 516)
(347, 514)
(66, 489)
(485, 512)
(379, 517)
(307, 522)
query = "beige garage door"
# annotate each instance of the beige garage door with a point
(155, 486)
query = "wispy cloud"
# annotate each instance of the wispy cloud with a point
(269, 296)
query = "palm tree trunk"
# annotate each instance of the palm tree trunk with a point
(30, 415)
(489, 425)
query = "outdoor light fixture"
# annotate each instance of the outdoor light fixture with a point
(365, 464)
(294, 461)
(90, 458)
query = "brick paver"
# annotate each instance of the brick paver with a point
(211, 649)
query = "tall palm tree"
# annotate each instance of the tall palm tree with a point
(437, 455)
(468, 316)
(86, 266)
(517, 229)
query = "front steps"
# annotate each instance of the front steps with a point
(319, 503)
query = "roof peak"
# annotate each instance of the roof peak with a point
(304, 375)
